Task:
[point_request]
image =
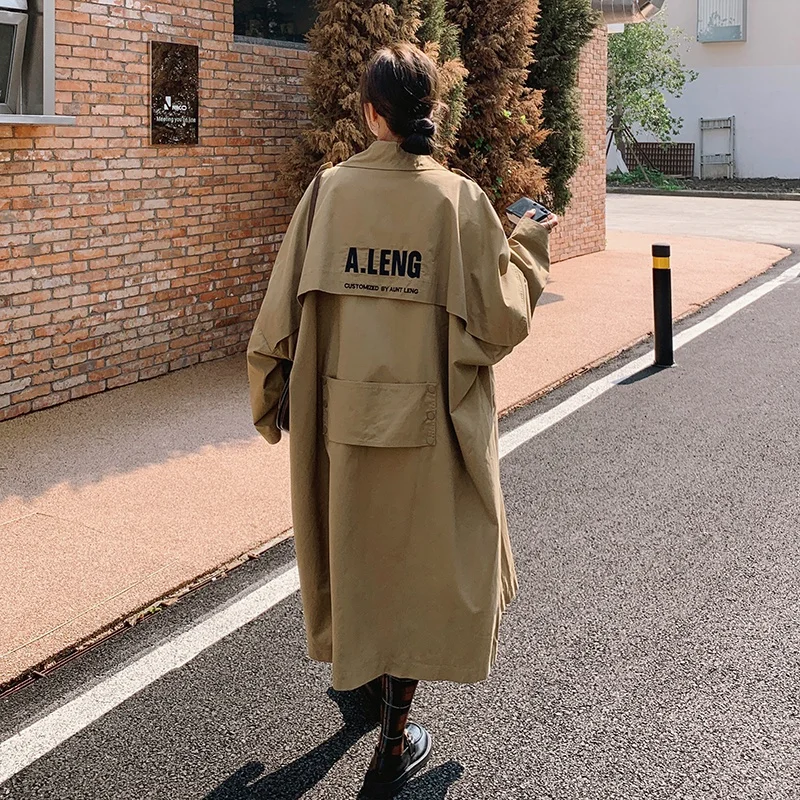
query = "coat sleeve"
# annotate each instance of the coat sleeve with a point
(274, 337)
(502, 282)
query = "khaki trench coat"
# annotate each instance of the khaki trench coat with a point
(393, 312)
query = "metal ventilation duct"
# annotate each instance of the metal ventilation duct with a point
(627, 10)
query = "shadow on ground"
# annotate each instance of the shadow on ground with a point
(641, 375)
(117, 432)
(292, 781)
(549, 297)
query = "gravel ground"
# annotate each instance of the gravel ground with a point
(768, 185)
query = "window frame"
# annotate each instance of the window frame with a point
(257, 40)
(18, 22)
(43, 105)
(704, 38)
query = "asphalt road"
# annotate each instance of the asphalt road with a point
(653, 652)
(770, 221)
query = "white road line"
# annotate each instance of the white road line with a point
(518, 436)
(44, 735)
(515, 438)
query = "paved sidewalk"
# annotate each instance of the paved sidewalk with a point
(111, 502)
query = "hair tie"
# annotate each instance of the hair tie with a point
(424, 127)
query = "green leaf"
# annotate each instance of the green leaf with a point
(645, 66)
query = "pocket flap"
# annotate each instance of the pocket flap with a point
(379, 414)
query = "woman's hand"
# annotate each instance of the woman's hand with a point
(548, 222)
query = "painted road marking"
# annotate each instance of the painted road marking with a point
(47, 733)
(44, 735)
(518, 436)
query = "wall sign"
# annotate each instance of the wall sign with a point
(174, 102)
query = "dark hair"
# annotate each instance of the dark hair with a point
(402, 83)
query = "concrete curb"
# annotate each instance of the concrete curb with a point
(48, 666)
(224, 440)
(789, 260)
(703, 193)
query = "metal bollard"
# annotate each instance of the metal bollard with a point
(662, 305)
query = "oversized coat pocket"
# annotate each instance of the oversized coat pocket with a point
(371, 414)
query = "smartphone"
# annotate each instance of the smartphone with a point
(516, 211)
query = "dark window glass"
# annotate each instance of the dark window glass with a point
(284, 20)
(7, 34)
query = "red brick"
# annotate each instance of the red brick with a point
(86, 345)
(128, 260)
(102, 374)
(31, 394)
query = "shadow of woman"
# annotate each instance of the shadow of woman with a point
(293, 780)
(434, 784)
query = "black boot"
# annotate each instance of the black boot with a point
(389, 781)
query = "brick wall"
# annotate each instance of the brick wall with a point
(123, 261)
(583, 228)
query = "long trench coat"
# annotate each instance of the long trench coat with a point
(393, 312)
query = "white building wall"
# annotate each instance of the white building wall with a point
(767, 118)
(757, 81)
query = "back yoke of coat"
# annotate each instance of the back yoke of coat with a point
(393, 312)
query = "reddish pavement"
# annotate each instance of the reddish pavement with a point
(109, 503)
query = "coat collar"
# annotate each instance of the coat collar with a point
(390, 156)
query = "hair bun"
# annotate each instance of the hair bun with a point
(424, 127)
(420, 140)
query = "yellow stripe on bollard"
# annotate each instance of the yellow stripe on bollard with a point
(662, 305)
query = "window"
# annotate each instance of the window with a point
(279, 20)
(28, 64)
(12, 46)
(722, 21)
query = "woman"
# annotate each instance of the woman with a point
(393, 294)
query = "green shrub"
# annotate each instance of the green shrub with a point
(439, 38)
(643, 176)
(502, 126)
(343, 38)
(564, 28)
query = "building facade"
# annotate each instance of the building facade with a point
(122, 259)
(748, 59)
